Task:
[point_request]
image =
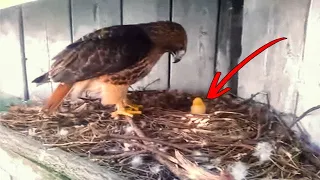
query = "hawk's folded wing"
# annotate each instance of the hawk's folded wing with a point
(104, 51)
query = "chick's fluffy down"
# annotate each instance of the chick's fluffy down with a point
(198, 106)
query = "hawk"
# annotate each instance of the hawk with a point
(111, 59)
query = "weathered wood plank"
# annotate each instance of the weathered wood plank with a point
(18, 167)
(275, 70)
(309, 73)
(89, 15)
(47, 31)
(71, 165)
(140, 11)
(195, 72)
(4, 175)
(229, 39)
(11, 72)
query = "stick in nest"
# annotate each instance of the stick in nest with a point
(190, 169)
(304, 115)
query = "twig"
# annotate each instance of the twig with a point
(153, 150)
(251, 98)
(150, 140)
(158, 157)
(304, 114)
(117, 156)
(181, 173)
(69, 143)
(149, 84)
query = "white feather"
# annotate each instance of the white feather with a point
(136, 161)
(263, 151)
(238, 170)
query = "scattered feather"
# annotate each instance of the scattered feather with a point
(63, 132)
(263, 151)
(128, 129)
(136, 161)
(156, 169)
(32, 131)
(238, 170)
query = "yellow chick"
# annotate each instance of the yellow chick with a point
(198, 106)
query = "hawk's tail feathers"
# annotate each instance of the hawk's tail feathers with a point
(57, 97)
(41, 79)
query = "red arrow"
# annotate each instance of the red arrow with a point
(215, 87)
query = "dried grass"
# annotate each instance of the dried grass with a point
(167, 142)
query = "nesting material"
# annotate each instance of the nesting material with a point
(236, 137)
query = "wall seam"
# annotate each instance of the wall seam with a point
(26, 95)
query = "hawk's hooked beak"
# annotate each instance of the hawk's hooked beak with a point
(177, 56)
(175, 60)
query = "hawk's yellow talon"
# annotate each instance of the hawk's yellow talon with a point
(126, 112)
(134, 107)
(130, 111)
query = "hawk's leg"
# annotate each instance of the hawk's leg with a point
(129, 104)
(121, 110)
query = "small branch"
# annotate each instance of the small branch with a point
(252, 97)
(159, 153)
(168, 164)
(70, 143)
(149, 84)
(117, 156)
(304, 114)
(150, 140)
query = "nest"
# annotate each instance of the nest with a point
(166, 142)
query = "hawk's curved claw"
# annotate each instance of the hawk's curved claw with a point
(134, 107)
(131, 106)
(125, 112)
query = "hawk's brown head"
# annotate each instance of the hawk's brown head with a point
(170, 36)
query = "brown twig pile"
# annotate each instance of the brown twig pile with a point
(167, 141)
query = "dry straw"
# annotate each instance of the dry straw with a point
(237, 138)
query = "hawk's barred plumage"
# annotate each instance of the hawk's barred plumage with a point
(112, 59)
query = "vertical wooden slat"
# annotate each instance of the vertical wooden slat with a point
(23, 56)
(89, 15)
(11, 72)
(46, 25)
(140, 11)
(229, 39)
(195, 71)
(274, 71)
(309, 73)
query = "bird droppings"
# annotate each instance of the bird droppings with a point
(167, 142)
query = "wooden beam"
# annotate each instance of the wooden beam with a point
(69, 164)
(11, 69)
(46, 32)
